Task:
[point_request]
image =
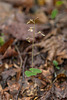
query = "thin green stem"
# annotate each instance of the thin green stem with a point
(33, 44)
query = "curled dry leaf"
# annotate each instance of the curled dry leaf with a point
(10, 52)
(10, 73)
(6, 45)
(7, 51)
(48, 74)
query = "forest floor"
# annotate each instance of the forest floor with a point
(16, 50)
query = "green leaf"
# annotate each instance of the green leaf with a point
(2, 34)
(35, 70)
(55, 63)
(28, 73)
(54, 13)
(58, 3)
(1, 41)
(57, 67)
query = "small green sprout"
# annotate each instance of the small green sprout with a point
(2, 34)
(54, 13)
(59, 3)
(56, 64)
(32, 72)
(1, 41)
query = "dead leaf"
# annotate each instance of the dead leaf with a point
(2, 67)
(20, 31)
(6, 96)
(10, 52)
(6, 13)
(25, 98)
(48, 73)
(11, 72)
(6, 45)
(1, 88)
(60, 90)
(13, 87)
(28, 4)
(42, 18)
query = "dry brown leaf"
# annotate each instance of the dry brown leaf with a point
(57, 90)
(1, 88)
(25, 98)
(10, 52)
(42, 18)
(13, 87)
(20, 31)
(48, 74)
(11, 72)
(2, 67)
(7, 96)
(24, 3)
(6, 13)
(6, 45)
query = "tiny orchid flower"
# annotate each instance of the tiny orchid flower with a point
(30, 21)
(41, 33)
(30, 29)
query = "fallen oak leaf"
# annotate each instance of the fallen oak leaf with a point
(10, 73)
(10, 52)
(6, 45)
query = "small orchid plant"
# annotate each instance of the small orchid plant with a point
(33, 71)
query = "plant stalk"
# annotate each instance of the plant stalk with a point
(33, 43)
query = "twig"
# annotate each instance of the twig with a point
(21, 61)
(24, 67)
(22, 82)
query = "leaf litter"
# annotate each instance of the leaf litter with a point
(15, 54)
